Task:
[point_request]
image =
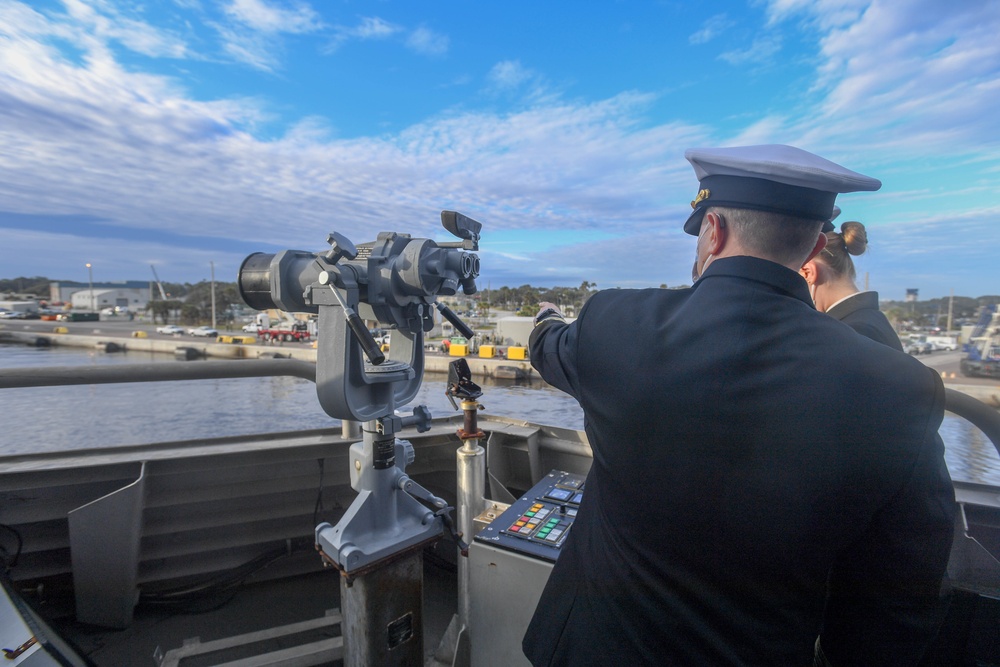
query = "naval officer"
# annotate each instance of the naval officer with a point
(766, 486)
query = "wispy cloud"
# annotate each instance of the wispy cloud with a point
(372, 27)
(254, 30)
(269, 17)
(711, 28)
(426, 41)
(760, 52)
(92, 30)
(509, 74)
(250, 48)
(421, 40)
(510, 79)
(907, 76)
(827, 14)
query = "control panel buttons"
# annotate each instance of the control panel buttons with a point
(539, 522)
(546, 522)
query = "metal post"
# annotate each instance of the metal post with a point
(383, 614)
(350, 429)
(471, 481)
(90, 277)
(212, 264)
(470, 472)
(951, 299)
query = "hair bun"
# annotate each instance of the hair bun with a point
(855, 237)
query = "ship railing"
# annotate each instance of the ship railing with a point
(121, 521)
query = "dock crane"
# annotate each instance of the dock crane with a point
(982, 357)
(163, 294)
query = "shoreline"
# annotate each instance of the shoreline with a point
(433, 362)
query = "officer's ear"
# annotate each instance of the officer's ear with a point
(810, 272)
(717, 233)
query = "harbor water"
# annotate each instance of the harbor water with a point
(94, 416)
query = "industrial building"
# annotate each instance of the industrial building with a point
(133, 294)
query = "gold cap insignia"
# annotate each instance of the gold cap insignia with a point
(702, 196)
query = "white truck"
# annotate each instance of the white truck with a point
(943, 342)
(288, 329)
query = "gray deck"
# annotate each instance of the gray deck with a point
(254, 607)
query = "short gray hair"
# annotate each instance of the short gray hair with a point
(781, 238)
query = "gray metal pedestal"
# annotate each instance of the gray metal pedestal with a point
(504, 589)
(383, 615)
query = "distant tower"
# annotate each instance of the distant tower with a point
(911, 298)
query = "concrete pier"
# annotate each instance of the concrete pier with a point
(107, 335)
(433, 362)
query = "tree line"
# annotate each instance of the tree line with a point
(197, 303)
(934, 312)
(524, 300)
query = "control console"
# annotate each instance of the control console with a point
(537, 523)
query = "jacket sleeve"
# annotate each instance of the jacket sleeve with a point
(553, 349)
(886, 595)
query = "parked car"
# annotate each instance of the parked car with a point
(171, 329)
(919, 348)
(253, 327)
(204, 330)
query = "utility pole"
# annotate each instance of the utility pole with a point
(212, 264)
(90, 277)
(950, 299)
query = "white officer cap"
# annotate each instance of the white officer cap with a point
(774, 178)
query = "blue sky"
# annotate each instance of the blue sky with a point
(188, 132)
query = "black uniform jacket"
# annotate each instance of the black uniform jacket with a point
(751, 457)
(860, 312)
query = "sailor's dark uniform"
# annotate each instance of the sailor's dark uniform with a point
(860, 311)
(751, 456)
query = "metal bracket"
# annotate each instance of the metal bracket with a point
(104, 537)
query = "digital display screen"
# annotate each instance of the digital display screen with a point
(559, 494)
